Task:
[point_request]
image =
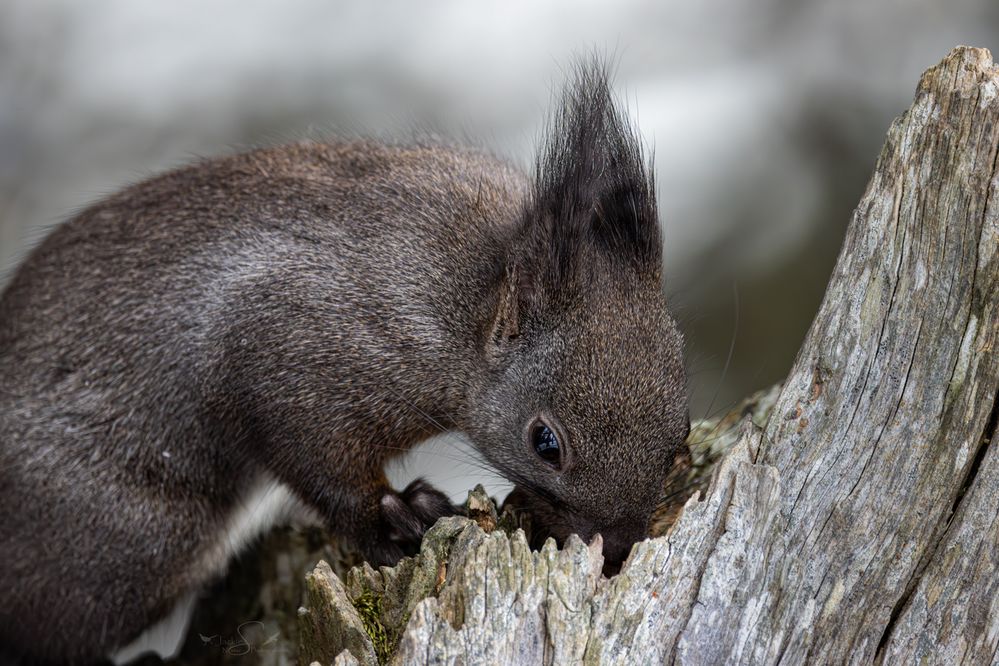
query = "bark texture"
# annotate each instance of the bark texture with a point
(858, 522)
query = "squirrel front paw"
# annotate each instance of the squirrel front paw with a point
(405, 517)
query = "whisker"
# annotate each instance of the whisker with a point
(472, 461)
(417, 409)
(731, 349)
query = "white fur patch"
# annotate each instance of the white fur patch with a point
(164, 638)
(264, 504)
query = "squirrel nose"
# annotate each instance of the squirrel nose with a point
(617, 547)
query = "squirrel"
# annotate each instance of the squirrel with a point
(300, 315)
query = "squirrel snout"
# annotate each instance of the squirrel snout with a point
(617, 546)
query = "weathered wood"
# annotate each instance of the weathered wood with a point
(860, 522)
(330, 623)
(880, 421)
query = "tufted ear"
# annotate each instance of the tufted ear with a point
(593, 190)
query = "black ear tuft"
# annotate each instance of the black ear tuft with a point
(593, 187)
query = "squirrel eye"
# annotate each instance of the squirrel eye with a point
(546, 444)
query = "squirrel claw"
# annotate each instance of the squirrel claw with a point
(406, 516)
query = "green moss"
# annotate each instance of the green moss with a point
(369, 607)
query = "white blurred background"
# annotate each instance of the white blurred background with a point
(765, 118)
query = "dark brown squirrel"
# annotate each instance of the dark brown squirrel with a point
(302, 315)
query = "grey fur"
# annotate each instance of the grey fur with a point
(309, 312)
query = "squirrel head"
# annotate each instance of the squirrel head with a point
(585, 404)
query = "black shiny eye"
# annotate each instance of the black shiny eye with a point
(545, 444)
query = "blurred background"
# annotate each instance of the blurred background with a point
(765, 118)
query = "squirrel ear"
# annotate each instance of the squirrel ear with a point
(506, 319)
(593, 187)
